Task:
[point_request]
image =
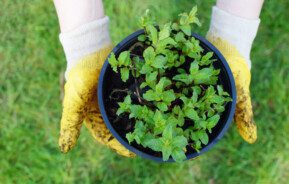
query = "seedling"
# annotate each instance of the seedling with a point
(172, 107)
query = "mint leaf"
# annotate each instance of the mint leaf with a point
(113, 62)
(124, 74)
(178, 155)
(162, 106)
(160, 122)
(191, 113)
(186, 29)
(152, 33)
(180, 37)
(124, 58)
(165, 31)
(166, 151)
(168, 132)
(180, 142)
(159, 61)
(168, 96)
(185, 78)
(141, 38)
(154, 144)
(212, 121)
(204, 138)
(150, 95)
(124, 106)
(149, 55)
(130, 137)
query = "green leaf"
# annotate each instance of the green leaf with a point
(184, 19)
(149, 55)
(146, 69)
(165, 43)
(124, 59)
(124, 106)
(168, 132)
(177, 110)
(151, 96)
(124, 74)
(165, 31)
(136, 111)
(185, 78)
(168, 96)
(175, 27)
(207, 76)
(130, 137)
(194, 68)
(143, 85)
(206, 59)
(159, 61)
(172, 120)
(151, 76)
(154, 144)
(197, 146)
(178, 155)
(212, 121)
(141, 38)
(127, 100)
(180, 37)
(113, 62)
(180, 142)
(166, 152)
(146, 138)
(162, 84)
(162, 106)
(202, 123)
(147, 19)
(181, 71)
(160, 122)
(220, 90)
(153, 33)
(191, 113)
(193, 12)
(186, 29)
(204, 137)
(120, 111)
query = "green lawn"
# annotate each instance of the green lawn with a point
(31, 60)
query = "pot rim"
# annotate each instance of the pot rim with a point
(146, 155)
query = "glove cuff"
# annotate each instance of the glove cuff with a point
(238, 31)
(85, 40)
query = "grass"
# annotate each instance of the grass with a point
(31, 59)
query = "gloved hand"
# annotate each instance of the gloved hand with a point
(80, 103)
(86, 42)
(233, 36)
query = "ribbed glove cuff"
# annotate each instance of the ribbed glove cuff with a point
(85, 40)
(237, 31)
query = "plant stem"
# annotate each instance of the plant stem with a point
(118, 91)
(133, 68)
(135, 45)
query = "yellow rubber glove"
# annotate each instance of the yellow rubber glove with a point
(80, 103)
(244, 114)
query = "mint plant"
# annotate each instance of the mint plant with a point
(173, 107)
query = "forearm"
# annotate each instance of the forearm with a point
(248, 9)
(74, 13)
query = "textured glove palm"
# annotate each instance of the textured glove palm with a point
(244, 114)
(80, 103)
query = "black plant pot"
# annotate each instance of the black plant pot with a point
(109, 80)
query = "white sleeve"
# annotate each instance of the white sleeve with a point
(238, 31)
(85, 40)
